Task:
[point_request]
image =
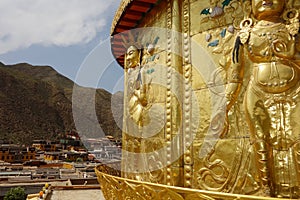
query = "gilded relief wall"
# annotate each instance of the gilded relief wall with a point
(222, 162)
(253, 50)
(144, 131)
(211, 97)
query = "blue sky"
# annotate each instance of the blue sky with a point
(65, 34)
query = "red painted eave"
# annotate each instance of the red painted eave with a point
(141, 7)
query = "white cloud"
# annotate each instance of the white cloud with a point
(51, 22)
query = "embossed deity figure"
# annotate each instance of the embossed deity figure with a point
(132, 57)
(133, 67)
(272, 99)
(138, 86)
(137, 104)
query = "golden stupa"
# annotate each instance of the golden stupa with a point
(210, 100)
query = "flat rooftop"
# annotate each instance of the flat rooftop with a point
(77, 194)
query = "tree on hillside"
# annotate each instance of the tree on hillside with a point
(16, 193)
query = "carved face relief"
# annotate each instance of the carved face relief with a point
(265, 9)
(132, 57)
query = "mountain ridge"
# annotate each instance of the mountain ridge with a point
(36, 103)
